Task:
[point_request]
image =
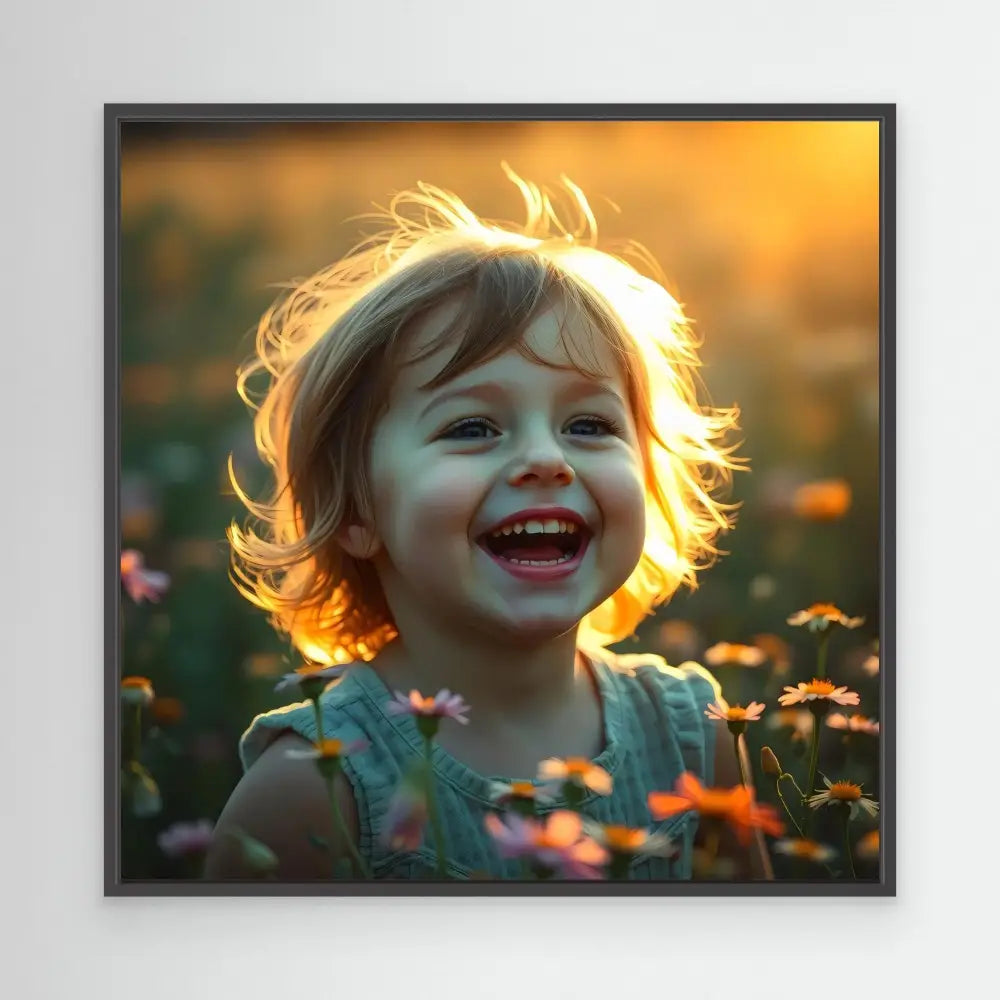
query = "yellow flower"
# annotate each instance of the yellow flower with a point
(819, 617)
(843, 793)
(734, 653)
(578, 771)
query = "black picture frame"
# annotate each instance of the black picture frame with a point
(118, 115)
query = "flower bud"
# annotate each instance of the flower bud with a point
(769, 762)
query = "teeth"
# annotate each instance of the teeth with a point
(549, 527)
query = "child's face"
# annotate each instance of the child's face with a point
(502, 443)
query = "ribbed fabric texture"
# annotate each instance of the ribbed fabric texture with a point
(654, 730)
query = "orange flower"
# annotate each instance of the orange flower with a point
(735, 806)
(818, 691)
(868, 845)
(734, 653)
(819, 617)
(797, 719)
(823, 500)
(630, 841)
(802, 847)
(854, 723)
(167, 711)
(871, 665)
(577, 771)
(843, 793)
(776, 649)
(330, 749)
(137, 691)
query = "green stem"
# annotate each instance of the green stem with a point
(442, 871)
(821, 659)
(847, 843)
(777, 788)
(319, 721)
(136, 734)
(341, 827)
(739, 758)
(813, 761)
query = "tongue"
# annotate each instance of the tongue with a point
(539, 553)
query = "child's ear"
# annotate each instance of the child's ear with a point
(359, 541)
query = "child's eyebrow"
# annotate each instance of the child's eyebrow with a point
(492, 392)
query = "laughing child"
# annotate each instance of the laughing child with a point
(490, 464)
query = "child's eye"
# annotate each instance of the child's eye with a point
(470, 429)
(595, 426)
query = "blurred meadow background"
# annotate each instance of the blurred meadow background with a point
(767, 233)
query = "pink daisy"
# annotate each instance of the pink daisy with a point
(141, 583)
(186, 838)
(817, 690)
(556, 843)
(853, 723)
(722, 711)
(443, 705)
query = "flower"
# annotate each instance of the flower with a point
(722, 711)
(167, 711)
(798, 719)
(868, 845)
(843, 793)
(854, 723)
(329, 750)
(630, 841)
(734, 805)
(137, 691)
(503, 793)
(140, 583)
(823, 500)
(817, 690)
(186, 838)
(734, 653)
(802, 847)
(405, 818)
(769, 762)
(776, 649)
(312, 675)
(871, 665)
(819, 617)
(556, 844)
(444, 705)
(576, 771)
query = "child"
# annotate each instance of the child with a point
(490, 464)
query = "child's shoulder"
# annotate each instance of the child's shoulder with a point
(300, 718)
(650, 671)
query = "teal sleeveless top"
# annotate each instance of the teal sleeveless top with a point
(654, 729)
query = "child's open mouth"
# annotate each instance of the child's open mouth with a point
(537, 548)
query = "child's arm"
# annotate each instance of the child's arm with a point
(280, 801)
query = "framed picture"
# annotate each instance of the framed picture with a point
(500, 499)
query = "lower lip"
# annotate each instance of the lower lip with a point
(541, 573)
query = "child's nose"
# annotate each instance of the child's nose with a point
(542, 465)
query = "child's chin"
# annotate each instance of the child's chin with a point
(532, 630)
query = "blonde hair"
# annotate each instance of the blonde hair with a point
(333, 344)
